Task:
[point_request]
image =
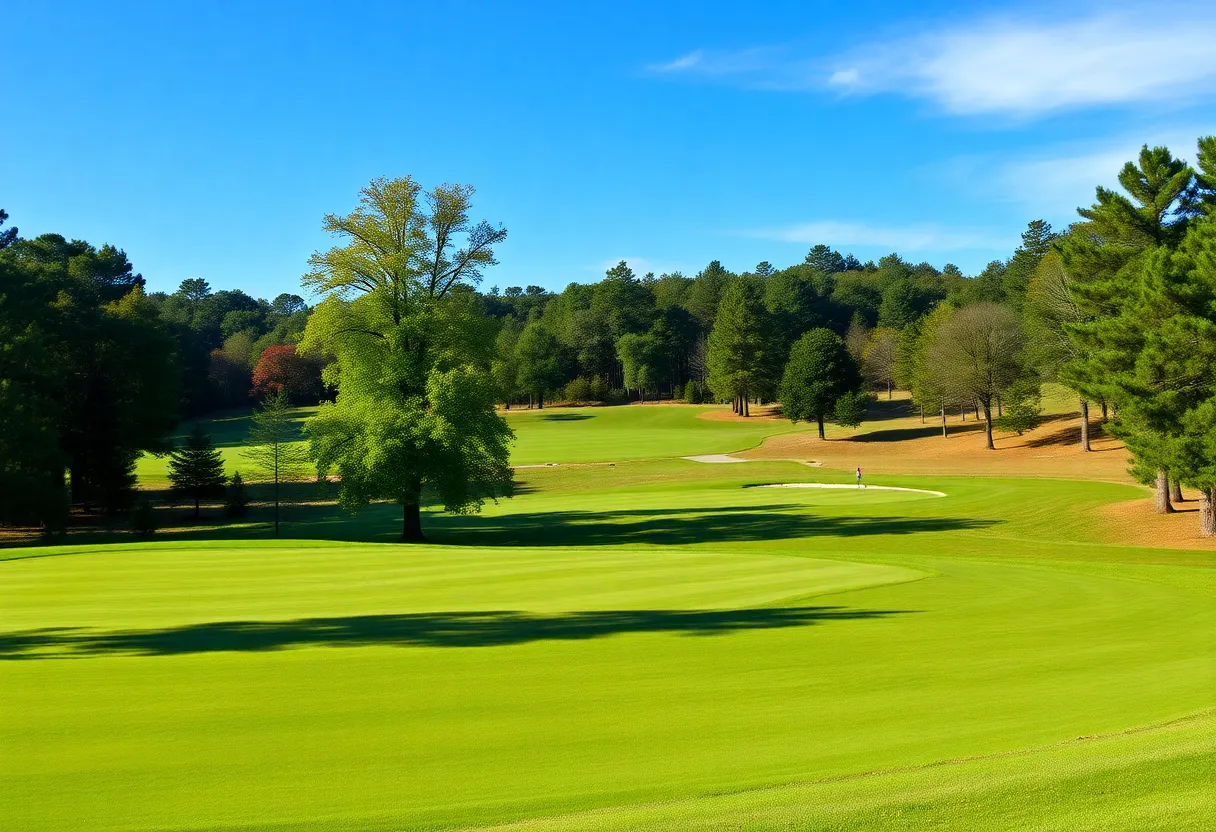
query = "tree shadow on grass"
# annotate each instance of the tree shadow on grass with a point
(677, 526)
(496, 628)
(920, 432)
(565, 417)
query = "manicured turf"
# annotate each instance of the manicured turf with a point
(552, 434)
(647, 645)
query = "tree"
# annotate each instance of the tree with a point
(879, 357)
(930, 389)
(977, 353)
(274, 447)
(539, 362)
(1105, 257)
(197, 469)
(415, 398)
(281, 369)
(818, 375)
(742, 351)
(825, 259)
(9, 235)
(641, 358)
(1050, 309)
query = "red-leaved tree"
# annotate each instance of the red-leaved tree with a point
(281, 369)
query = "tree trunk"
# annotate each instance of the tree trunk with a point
(411, 523)
(1084, 425)
(821, 436)
(944, 422)
(196, 506)
(1163, 492)
(276, 505)
(922, 414)
(977, 411)
(530, 400)
(1103, 411)
(888, 390)
(540, 400)
(1176, 491)
(988, 426)
(963, 412)
(747, 406)
(1207, 512)
(1000, 407)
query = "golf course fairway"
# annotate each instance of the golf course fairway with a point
(650, 645)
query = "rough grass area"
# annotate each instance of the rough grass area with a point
(646, 645)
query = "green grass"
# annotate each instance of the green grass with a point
(552, 434)
(647, 645)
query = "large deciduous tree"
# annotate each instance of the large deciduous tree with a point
(977, 353)
(415, 398)
(819, 374)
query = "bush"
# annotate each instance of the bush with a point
(143, 518)
(236, 502)
(696, 393)
(850, 409)
(578, 390)
(599, 390)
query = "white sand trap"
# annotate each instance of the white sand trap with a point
(847, 485)
(715, 459)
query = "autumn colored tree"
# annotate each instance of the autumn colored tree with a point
(282, 369)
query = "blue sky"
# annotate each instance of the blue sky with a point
(208, 139)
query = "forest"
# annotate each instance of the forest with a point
(1119, 307)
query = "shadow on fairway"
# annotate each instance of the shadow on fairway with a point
(565, 417)
(676, 526)
(437, 629)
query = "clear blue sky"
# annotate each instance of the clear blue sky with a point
(208, 139)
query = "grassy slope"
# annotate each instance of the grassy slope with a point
(622, 644)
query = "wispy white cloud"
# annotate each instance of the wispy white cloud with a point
(1013, 67)
(1064, 178)
(890, 237)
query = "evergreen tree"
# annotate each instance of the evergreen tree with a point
(742, 352)
(197, 468)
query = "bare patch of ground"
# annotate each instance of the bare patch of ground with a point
(1137, 522)
(902, 444)
(764, 412)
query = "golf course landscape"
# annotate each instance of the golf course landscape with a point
(633, 641)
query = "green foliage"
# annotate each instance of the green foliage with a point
(850, 409)
(197, 468)
(578, 390)
(539, 361)
(599, 389)
(743, 355)
(1022, 406)
(819, 373)
(236, 501)
(415, 396)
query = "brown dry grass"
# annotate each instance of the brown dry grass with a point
(1136, 523)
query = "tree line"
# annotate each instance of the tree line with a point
(412, 358)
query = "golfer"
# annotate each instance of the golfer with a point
(859, 485)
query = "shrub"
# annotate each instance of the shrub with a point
(236, 501)
(850, 409)
(578, 390)
(599, 390)
(143, 518)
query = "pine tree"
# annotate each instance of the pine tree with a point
(742, 348)
(197, 469)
